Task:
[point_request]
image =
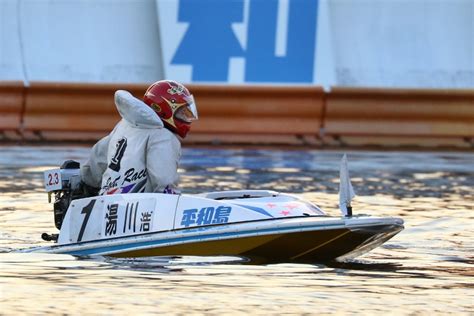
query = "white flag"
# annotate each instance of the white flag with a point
(346, 192)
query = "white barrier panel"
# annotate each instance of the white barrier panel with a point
(418, 43)
(11, 68)
(81, 41)
(377, 43)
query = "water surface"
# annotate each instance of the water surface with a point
(428, 268)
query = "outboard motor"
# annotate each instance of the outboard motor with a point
(66, 185)
(70, 179)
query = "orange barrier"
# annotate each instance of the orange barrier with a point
(11, 105)
(247, 114)
(71, 110)
(226, 113)
(260, 110)
(253, 114)
(364, 115)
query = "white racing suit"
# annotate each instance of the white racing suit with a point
(139, 155)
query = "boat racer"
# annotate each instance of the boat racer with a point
(142, 152)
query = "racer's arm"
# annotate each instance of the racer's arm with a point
(94, 168)
(162, 159)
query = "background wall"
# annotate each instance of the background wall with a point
(382, 43)
(85, 41)
(387, 43)
(421, 43)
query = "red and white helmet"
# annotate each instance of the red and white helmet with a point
(174, 104)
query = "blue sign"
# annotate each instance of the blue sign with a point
(210, 41)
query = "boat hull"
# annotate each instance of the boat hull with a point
(312, 246)
(303, 239)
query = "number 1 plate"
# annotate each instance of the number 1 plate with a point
(52, 180)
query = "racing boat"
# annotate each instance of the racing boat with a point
(259, 225)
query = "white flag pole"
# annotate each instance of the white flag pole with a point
(346, 192)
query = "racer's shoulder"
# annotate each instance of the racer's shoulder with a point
(163, 135)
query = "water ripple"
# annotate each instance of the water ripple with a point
(426, 269)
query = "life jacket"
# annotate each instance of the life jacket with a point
(139, 155)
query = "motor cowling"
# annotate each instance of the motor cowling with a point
(63, 197)
(66, 185)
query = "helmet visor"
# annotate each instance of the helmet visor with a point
(188, 112)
